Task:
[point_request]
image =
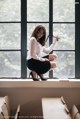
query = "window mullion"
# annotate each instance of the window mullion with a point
(50, 28)
(77, 41)
(23, 39)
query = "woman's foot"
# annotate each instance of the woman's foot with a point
(41, 76)
(33, 74)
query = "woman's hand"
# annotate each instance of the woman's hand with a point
(56, 38)
(46, 59)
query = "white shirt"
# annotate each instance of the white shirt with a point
(36, 49)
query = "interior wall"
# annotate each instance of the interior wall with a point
(30, 98)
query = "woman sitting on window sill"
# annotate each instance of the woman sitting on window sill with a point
(35, 62)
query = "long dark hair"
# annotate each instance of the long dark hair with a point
(42, 40)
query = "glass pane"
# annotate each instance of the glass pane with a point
(66, 32)
(10, 64)
(30, 28)
(10, 36)
(65, 65)
(10, 10)
(38, 10)
(64, 11)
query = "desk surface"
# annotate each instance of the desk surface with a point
(53, 108)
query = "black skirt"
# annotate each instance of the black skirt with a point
(38, 66)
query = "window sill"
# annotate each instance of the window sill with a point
(28, 83)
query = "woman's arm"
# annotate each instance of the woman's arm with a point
(50, 48)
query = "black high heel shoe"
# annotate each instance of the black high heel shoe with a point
(43, 79)
(31, 74)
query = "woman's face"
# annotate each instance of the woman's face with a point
(40, 34)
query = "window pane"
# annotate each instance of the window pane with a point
(65, 65)
(9, 10)
(66, 32)
(38, 10)
(10, 64)
(64, 11)
(10, 36)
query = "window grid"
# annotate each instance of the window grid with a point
(24, 36)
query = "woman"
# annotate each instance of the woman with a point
(35, 62)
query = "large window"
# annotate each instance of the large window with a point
(18, 18)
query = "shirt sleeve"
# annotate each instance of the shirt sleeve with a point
(33, 50)
(50, 48)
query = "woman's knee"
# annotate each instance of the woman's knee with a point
(53, 65)
(52, 57)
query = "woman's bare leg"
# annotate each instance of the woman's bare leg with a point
(34, 74)
(53, 65)
(52, 57)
